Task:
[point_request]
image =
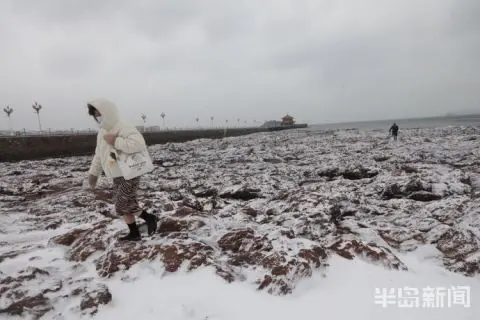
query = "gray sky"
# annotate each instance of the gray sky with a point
(319, 60)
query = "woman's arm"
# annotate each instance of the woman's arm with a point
(96, 166)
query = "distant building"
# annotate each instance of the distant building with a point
(270, 124)
(148, 129)
(154, 128)
(288, 120)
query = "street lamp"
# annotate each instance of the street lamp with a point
(9, 111)
(144, 118)
(163, 119)
(37, 107)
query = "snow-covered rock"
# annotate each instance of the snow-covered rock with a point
(268, 209)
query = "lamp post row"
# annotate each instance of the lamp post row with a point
(197, 119)
(38, 107)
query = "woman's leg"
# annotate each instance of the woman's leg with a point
(126, 204)
(150, 219)
(125, 196)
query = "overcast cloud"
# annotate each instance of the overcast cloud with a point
(319, 60)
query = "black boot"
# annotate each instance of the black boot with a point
(133, 235)
(151, 221)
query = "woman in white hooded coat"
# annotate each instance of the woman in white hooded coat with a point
(117, 135)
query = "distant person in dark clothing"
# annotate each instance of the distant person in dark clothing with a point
(394, 131)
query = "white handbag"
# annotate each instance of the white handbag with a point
(133, 165)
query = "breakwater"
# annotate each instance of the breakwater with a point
(17, 148)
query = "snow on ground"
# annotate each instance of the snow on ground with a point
(265, 226)
(347, 292)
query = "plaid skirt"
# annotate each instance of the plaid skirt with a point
(125, 195)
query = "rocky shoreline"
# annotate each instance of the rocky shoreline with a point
(268, 209)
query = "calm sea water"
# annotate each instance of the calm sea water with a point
(473, 120)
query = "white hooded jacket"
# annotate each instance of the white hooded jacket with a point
(129, 140)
